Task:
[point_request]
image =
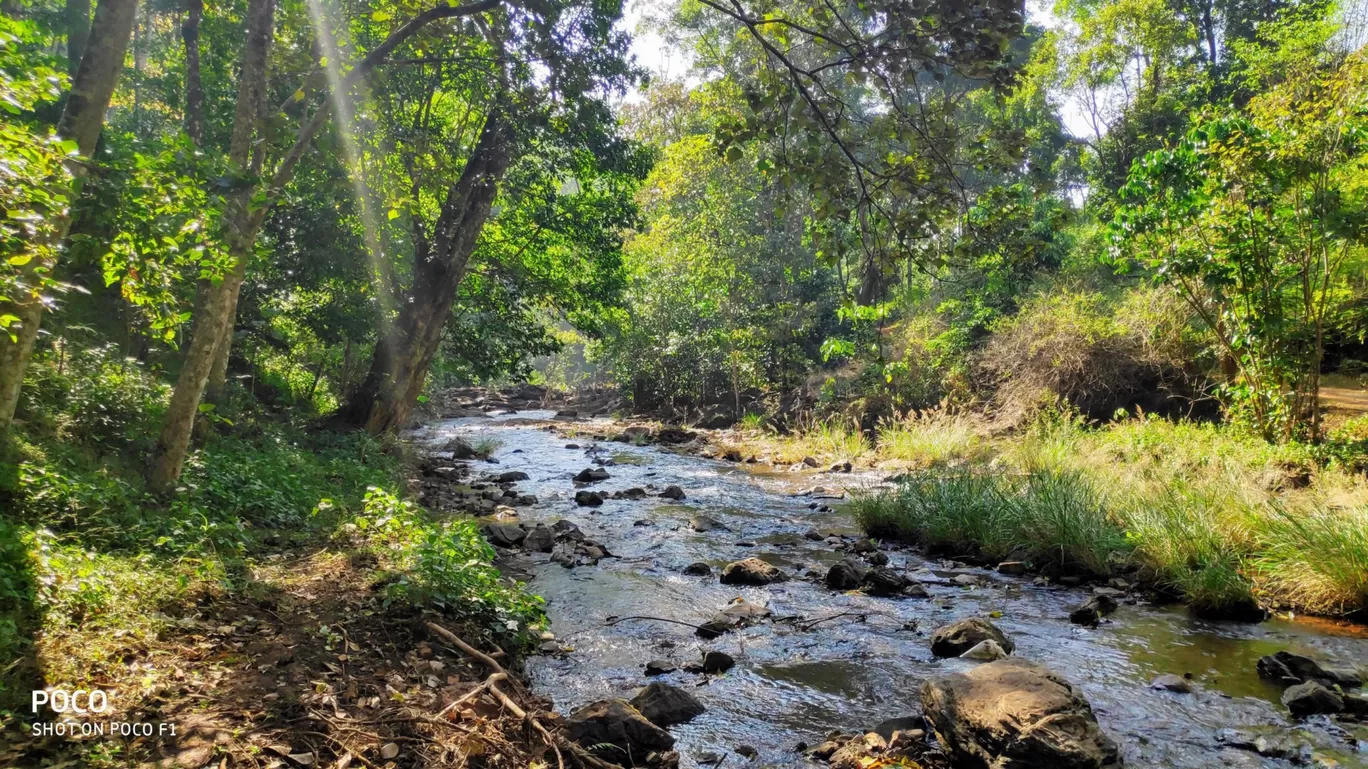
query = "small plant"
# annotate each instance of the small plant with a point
(485, 445)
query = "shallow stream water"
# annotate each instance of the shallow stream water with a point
(793, 685)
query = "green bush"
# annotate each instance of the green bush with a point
(447, 565)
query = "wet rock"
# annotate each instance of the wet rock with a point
(1012, 568)
(811, 462)
(567, 530)
(614, 729)
(888, 726)
(968, 580)
(706, 523)
(734, 617)
(1015, 714)
(863, 546)
(717, 662)
(588, 498)
(813, 535)
(859, 752)
(673, 492)
(985, 651)
(846, 575)
(512, 476)
(751, 571)
(504, 534)
(959, 637)
(883, 581)
(697, 569)
(539, 540)
(460, 448)
(634, 493)
(1092, 611)
(1171, 683)
(1289, 669)
(674, 435)
(748, 752)
(660, 667)
(1311, 698)
(665, 705)
(878, 558)
(572, 445)
(840, 467)
(591, 475)
(567, 414)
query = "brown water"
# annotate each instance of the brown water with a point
(792, 685)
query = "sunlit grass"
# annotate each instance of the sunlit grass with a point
(1316, 559)
(933, 440)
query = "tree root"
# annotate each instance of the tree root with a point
(492, 685)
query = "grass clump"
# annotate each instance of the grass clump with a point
(934, 439)
(1047, 518)
(1315, 558)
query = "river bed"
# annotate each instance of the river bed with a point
(793, 684)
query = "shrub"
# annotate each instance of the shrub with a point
(1069, 346)
(447, 564)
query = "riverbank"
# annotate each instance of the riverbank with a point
(1217, 518)
(274, 612)
(805, 659)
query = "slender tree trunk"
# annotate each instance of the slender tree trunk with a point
(400, 365)
(82, 120)
(242, 226)
(78, 32)
(194, 88)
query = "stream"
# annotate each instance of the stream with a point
(793, 685)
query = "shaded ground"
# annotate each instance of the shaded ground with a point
(305, 667)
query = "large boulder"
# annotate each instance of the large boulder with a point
(751, 571)
(1310, 699)
(504, 534)
(1016, 714)
(959, 637)
(460, 448)
(616, 723)
(1290, 669)
(883, 581)
(539, 540)
(846, 575)
(591, 475)
(665, 705)
(588, 498)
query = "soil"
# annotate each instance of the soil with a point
(308, 667)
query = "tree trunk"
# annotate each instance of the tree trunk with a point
(82, 120)
(78, 32)
(221, 300)
(194, 88)
(401, 361)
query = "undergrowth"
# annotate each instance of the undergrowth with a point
(1214, 515)
(94, 568)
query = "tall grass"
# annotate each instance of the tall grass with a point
(1198, 510)
(1048, 518)
(932, 440)
(1316, 558)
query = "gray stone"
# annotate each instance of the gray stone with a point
(1015, 714)
(665, 705)
(615, 730)
(959, 637)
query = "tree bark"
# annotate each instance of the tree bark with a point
(78, 32)
(211, 337)
(82, 120)
(400, 365)
(242, 225)
(194, 88)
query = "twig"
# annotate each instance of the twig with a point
(612, 622)
(494, 689)
(810, 625)
(470, 695)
